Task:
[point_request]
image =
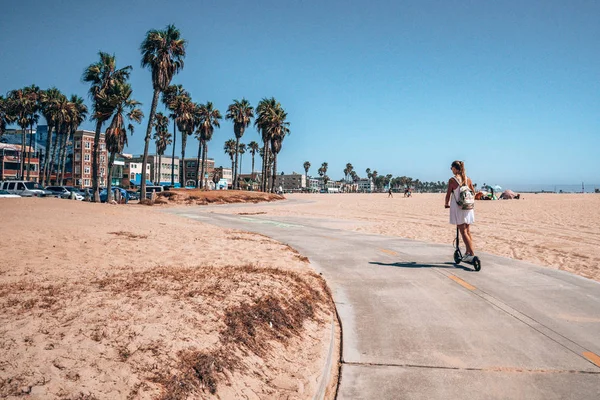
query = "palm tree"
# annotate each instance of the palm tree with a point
(49, 100)
(119, 99)
(230, 150)
(33, 93)
(272, 124)
(323, 173)
(63, 114)
(208, 119)
(102, 75)
(186, 122)
(163, 52)
(254, 147)
(78, 114)
(241, 113)
(241, 151)
(175, 98)
(162, 138)
(306, 168)
(21, 108)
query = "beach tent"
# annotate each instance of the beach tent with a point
(508, 195)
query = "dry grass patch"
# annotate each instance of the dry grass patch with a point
(204, 197)
(129, 235)
(249, 312)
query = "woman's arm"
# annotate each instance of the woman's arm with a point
(451, 187)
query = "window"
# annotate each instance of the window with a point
(101, 146)
(86, 182)
(11, 186)
(102, 159)
(77, 157)
(86, 157)
(77, 144)
(88, 145)
(132, 177)
(20, 186)
(77, 169)
(133, 166)
(86, 170)
(102, 171)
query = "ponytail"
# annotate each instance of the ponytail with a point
(460, 166)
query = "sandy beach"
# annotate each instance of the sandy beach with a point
(100, 301)
(559, 231)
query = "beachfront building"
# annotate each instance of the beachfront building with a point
(10, 163)
(226, 174)
(132, 172)
(293, 182)
(250, 181)
(366, 185)
(314, 185)
(83, 149)
(192, 170)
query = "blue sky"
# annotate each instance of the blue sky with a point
(401, 87)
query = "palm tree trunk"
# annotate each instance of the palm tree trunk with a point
(204, 151)
(274, 172)
(58, 158)
(182, 169)
(147, 142)
(63, 160)
(23, 144)
(198, 157)
(232, 169)
(53, 157)
(46, 155)
(173, 156)
(29, 151)
(235, 174)
(95, 185)
(159, 165)
(111, 161)
(263, 184)
(252, 166)
(240, 172)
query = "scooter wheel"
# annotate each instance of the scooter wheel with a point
(457, 257)
(477, 264)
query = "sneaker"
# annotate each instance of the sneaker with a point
(468, 258)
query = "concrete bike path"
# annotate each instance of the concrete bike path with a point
(416, 326)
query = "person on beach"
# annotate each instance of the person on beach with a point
(390, 193)
(462, 218)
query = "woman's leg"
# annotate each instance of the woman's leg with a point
(466, 238)
(469, 241)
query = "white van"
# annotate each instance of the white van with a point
(25, 188)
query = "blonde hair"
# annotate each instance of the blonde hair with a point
(460, 167)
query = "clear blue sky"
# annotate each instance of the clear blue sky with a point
(401, 87)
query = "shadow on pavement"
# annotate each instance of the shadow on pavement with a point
(413, 264)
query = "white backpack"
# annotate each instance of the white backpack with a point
(466, 198)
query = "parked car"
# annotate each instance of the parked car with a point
(104, 194)
(58, 191)
(133, 195)
(25, 189)
(5, 195)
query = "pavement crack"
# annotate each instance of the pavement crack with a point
(487, 369)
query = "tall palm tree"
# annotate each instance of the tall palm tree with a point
(186, 122)
(254, 147)
(163, 52)
(241, 113)
(33, 92)
(78, 113)
(230, 149)
(119, 99)
(49, 100)
(102, 75)
(62, 119)
(174, 98)
(21, 109)
(323, 173)
(162, 138)
(273, 127)
(208, 120)
(241, 151)
(306, 168)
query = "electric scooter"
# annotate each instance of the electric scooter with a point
(458, 257)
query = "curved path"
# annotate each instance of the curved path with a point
(416, 326)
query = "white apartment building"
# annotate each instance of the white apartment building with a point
(366, 185)
(292, 182)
